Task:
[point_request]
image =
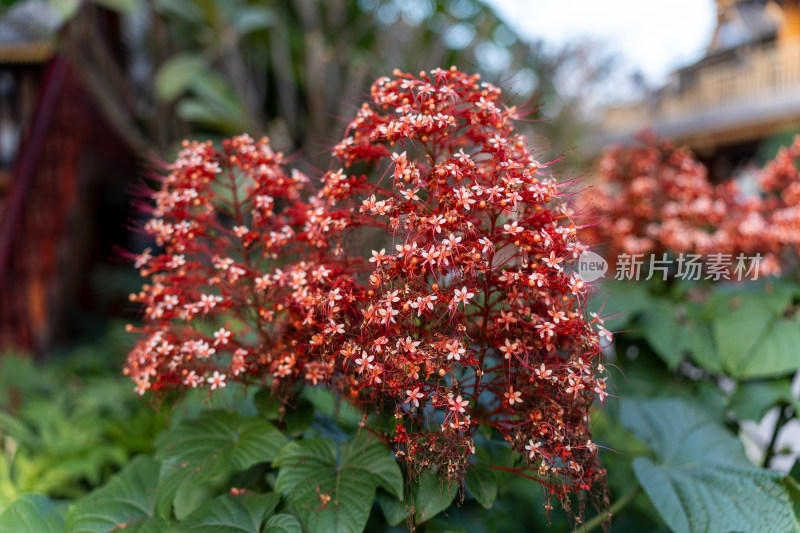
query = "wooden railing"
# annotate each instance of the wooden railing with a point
(757, 72)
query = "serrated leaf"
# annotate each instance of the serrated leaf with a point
(222, 435)
(231, 514)
(177, 75)
(216, 443)
(778, 353)
(673, 430)
(432, 496)
(701, 479)
(310, 474)
(33, 513)
(283, 523)
(373, 457)
(127, 501)
(482, 484)
(717, 498)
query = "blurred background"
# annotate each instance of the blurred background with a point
(94, 93)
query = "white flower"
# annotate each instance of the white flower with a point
(457, 405)
(461, 295)
(221, 336)
(414, 396)
(513, 228)
(532, 447)
(513, 396)
(378, 257)
(217, 381)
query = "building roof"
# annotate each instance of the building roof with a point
(27, 32)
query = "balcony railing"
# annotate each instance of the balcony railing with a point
(753, 74)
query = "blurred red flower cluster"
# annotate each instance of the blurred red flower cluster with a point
(656, 197)
(466, 315)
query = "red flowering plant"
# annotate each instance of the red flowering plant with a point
(779, 182)
(655, 197)
(471, 318)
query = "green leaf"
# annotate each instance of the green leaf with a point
(431, 497)
(216, 443)
(215, 103)
(210, 114)
(310, 472)
(619, 301)
(728, 298)
(250, 18)
(20, 431)
(701, 479)
(482, 484)
(673, 430)
(283, 523)
(697, 340)
(663, 332)
(127, 501)
(33, 513)
(234, 398)
(177, 75)
(181, 9)
(751, 401)
(394, 510)
(752, 337)
(231, 514)
(298, 417)
(268, 406)
(779, 351)
(717, 498)
(328, 404)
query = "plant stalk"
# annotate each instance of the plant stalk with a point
(616, 507)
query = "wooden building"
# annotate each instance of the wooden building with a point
(63, 176)
(744, 90)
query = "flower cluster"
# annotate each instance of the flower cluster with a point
(655, 197)
(242, 259)
(466, 313)
(472, 316)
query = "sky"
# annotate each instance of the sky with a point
(654, 37)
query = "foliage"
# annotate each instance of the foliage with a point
(686, 387)
(259, 481)
(291, 70)
(67, 427)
